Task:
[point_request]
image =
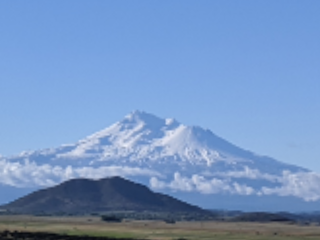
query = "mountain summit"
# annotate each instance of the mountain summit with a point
(143, 138)
(186, 161)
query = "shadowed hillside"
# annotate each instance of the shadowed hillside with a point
(87, 196)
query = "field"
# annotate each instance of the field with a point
(93, 226)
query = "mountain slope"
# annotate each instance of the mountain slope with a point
(87, 196)
(168, 156)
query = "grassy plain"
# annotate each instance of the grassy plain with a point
(158, 230)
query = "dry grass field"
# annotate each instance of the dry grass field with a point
(93, 226)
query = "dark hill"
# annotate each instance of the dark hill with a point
(87, 196)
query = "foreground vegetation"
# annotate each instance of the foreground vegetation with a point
(20, 235)
(158, 230)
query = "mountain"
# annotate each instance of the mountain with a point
(188, 162)
(88, 196)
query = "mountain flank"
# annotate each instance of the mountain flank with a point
(187, 162)
(80, 196)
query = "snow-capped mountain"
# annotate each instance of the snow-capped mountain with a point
(189, 162)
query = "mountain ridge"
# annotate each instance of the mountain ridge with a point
(167, 156)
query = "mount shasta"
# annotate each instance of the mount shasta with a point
(190, 163)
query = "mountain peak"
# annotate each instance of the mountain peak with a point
(141, 116)
(164, 154)
(138, 114)
(148, 119)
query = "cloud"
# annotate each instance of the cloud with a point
(305, 185)
(242, 189)
(29, 174)
(211, 186)
(181, 183)
(197, 183)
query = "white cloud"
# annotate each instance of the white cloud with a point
(304, 185)
(201, 184)
(211, 186)
(242, 189)
(157, 184)
(108, 171)
(29, 174)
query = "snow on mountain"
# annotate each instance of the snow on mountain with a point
(166, 155)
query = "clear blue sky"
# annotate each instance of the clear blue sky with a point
(247, 70)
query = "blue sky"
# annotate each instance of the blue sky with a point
(247, 70)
